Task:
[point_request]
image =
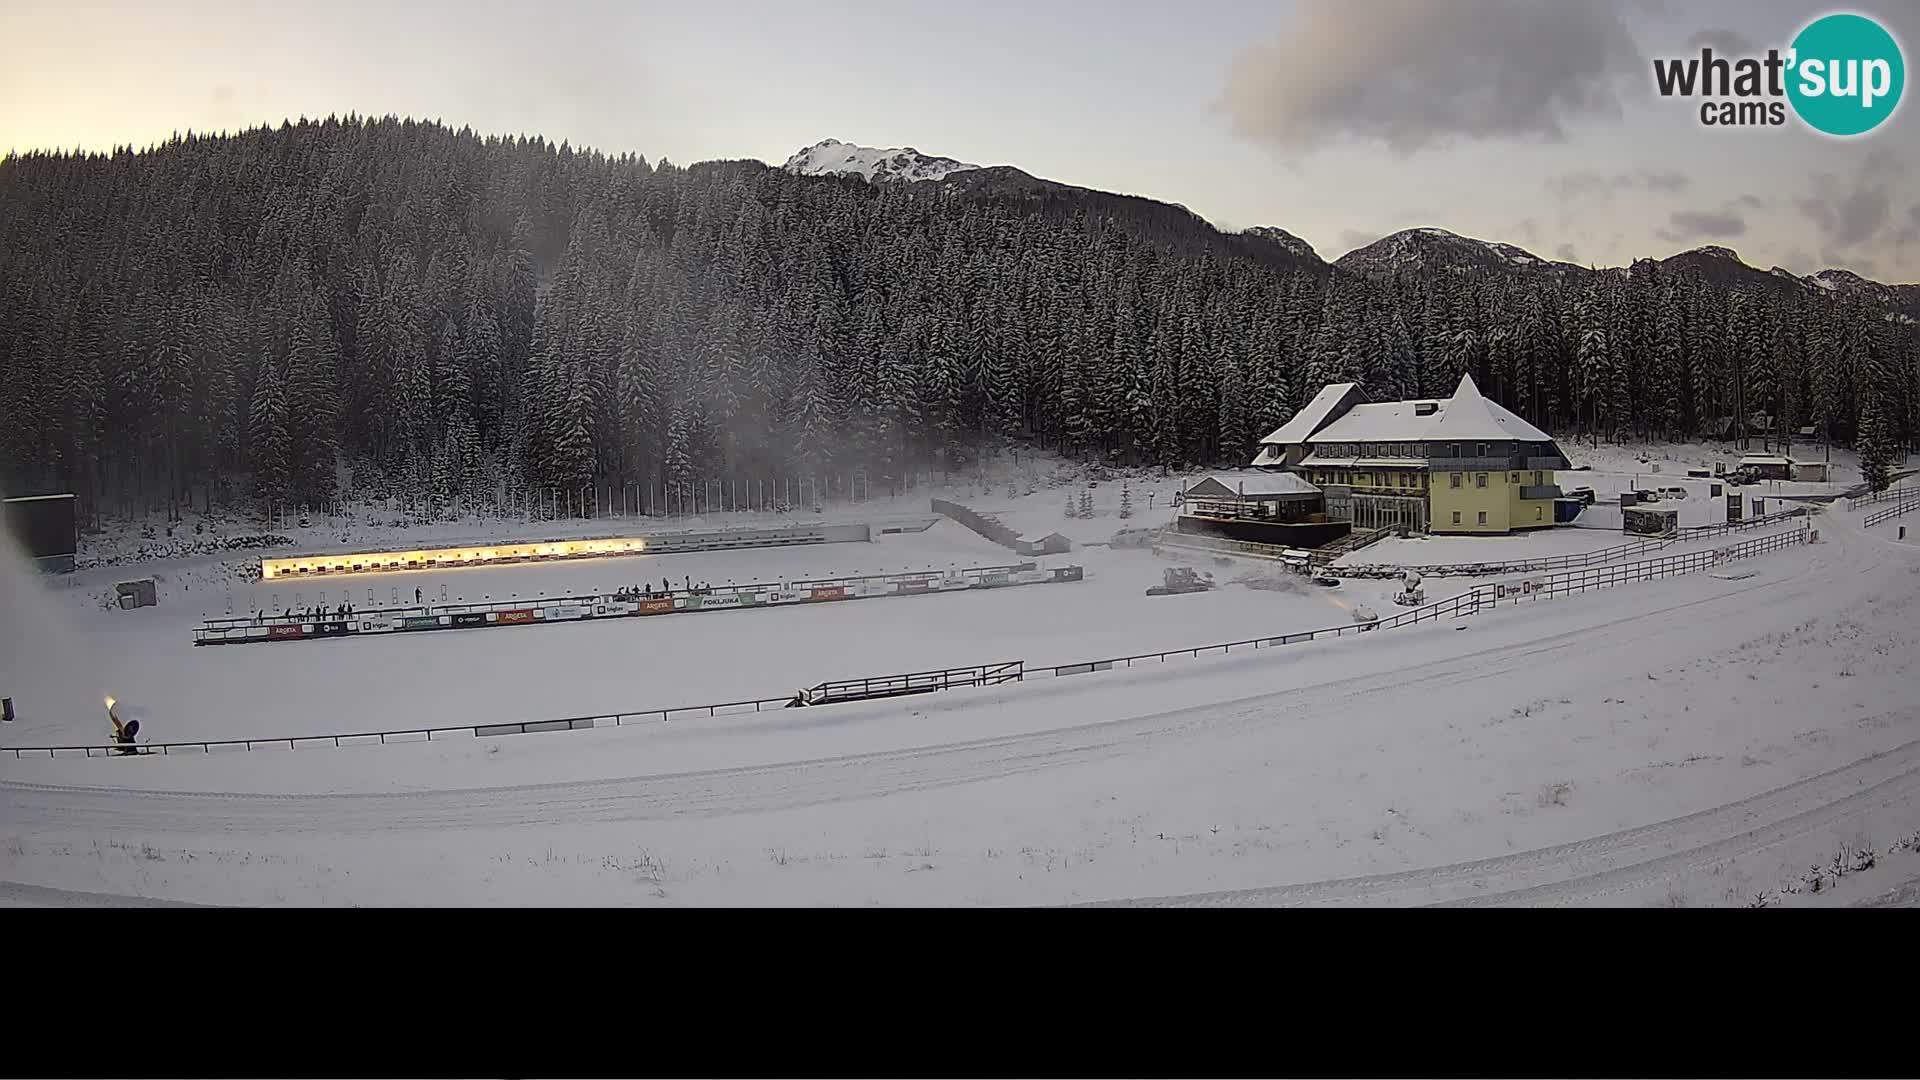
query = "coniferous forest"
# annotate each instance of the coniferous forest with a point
(386, 307)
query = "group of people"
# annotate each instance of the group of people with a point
(647, 592)
(339, 612)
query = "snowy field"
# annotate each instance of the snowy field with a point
(1699, 740)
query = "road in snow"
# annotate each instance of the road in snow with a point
(1601, 721)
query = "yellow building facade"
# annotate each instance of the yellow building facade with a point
(1462, 465)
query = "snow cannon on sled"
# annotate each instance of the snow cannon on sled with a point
(1410, 594)
(1181, 579)
(1366, 618)
(125, 727)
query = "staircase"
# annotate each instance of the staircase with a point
(1350, 543)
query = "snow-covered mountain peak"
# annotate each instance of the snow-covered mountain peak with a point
(1716, 251)
(831, 157)
(1437, 249)
(1285, 239)
(1841, 279)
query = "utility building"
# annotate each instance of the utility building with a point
(1459, 465)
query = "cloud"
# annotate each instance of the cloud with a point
(1352, 239)
(1684, 225)
(1724, 42)
(1413, 73)
(1527, 228)
(1590, 184)
(1852, 212)
(1566, 253)
(1750, 201)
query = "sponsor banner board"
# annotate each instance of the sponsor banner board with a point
(470, 618)
(835, 592)
(659, 605)
(283, 632)
(517, 615)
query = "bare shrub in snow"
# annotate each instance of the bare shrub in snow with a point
(1554, 794)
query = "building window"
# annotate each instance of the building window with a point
(1536, 478)
(1538, 513)
(1456, 517)
(1483, 450)
(1483, 517)
(1456, 479)
(1479, 480)
(1513, 478)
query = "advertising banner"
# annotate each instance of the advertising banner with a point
(569, 611)
(328, 629)
(917, 585)
(419, 622)
(724, 600)
(1067, 573)
(518, 615)
(987, 581)
(659, 605)
(836, 592)
(470, 618)
(283, 632)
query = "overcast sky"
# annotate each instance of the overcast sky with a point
(1528, 121)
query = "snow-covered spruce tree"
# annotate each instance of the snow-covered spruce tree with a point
(1126, 501)
(1876, 446)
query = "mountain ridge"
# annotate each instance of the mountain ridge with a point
(1422, 248)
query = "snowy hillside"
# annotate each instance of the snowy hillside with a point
(1285, 239)
(1432, 250)
(831, 157)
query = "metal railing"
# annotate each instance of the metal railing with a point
(411, 735)
(1465, 604)
(1698, 532)
(1890, 512)
(835, 691)
(1901, 494)
(1579, 581)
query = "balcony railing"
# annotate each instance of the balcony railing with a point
(1540, 491)
(1544, 463)
(1472, 464)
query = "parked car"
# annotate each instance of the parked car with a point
(1584, 494)
(1673, 493)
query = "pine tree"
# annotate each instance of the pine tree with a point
(1126, 501)
(267, 439)
(1876, 447)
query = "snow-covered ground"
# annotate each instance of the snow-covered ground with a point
(1616, 467)
(1445, 762)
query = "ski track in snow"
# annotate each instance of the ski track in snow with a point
(1593, 869)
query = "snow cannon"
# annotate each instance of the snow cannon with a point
(1410, 594)
(126, 722)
